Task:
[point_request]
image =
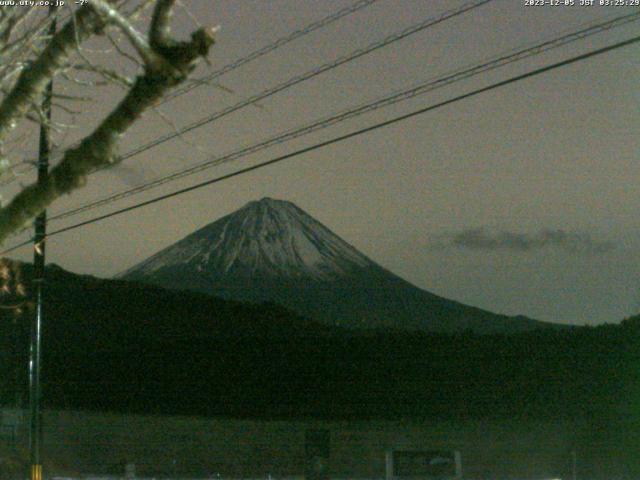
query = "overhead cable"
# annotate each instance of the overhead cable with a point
(398, 96)
(342, 138)
(307, 29)
(418, 27)
(323, 22)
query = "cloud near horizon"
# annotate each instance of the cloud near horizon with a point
(483, 239)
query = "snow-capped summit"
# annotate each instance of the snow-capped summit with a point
(271, 250)
(265, 238)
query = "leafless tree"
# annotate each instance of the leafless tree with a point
(30, 57)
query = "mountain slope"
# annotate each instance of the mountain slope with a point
(271, 250)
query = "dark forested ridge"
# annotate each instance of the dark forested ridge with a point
(119, 346)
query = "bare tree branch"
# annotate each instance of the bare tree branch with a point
(167, 64)
(122, 52)
(34, 77)
(160, 34)
(137, 40)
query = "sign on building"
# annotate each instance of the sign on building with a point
(423, 464)
(317, 449)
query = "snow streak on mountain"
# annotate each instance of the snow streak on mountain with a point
(272, 251)
(266, 238)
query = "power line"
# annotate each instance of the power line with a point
(395, 97)
(423, 25)
(347, 136)
(270, 48)
(307, 29)
(15, 247)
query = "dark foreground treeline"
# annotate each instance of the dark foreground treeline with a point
(118, 346)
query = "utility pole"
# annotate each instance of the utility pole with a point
(35, 350)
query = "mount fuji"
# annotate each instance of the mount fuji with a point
(272, 251)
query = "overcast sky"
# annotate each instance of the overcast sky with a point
(522, 200)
